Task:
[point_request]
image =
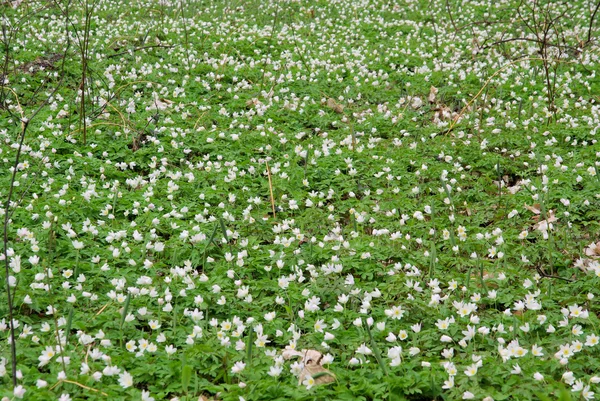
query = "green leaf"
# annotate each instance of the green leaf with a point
(186, 376)
(125, 310)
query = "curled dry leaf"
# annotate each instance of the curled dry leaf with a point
(416, 102)
(311, 359)
(443, 113)
(253, 102)
(317, 372)
(159, 104)
(499, 184)
(535, 209)
(432, 93)
(333, 105)
(587, 265)
(290, 353)
(515, 188)
(544, 224)
(593, 250)
(307, 355)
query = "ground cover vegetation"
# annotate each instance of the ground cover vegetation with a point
(274, 200)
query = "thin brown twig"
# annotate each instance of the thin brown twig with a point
(544, 275)
(589, 38)
(78, 384)
(101, 310)
(87, 353)
(451, 18)
(25, 121)
(487, 82)
(524, 39)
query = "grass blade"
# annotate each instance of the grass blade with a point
(186, 377)
(125, 309)
(69, 324)
(224, 229)
(249, 345)
(376, 351)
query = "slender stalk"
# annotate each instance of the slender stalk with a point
(271, 190)
(376, 351)
(433, 253)
(84, 45)
(24, 126)
(13, 345)
(593, 16)
(262, 79)
(185, 30)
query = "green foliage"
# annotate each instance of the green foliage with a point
(407, 246)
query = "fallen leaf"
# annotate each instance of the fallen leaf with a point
(587, 265)
(593, 250)
(432, 93)
(311, 359)
(416, 102)
(544, 224)
(253, 102)
(515, 188)
(317, 372)
(533, 209)
(443, 113)
(159, 104)
(290, 353)
(333, 105)
(308, 355)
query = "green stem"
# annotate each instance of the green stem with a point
(467, 281)
(376, 351)
(76, 266)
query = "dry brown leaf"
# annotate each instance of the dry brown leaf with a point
(308, 355)
(443, 113)
(290, 353)
(467, 209)
(324, 376)
(416, 102)
(515, 188)
(311, 359)
(160, 104)
(432, 93)
(587, 265)
(593, 250)
(535, 209)
(253, 102)
(333, 105)
(544, 224)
